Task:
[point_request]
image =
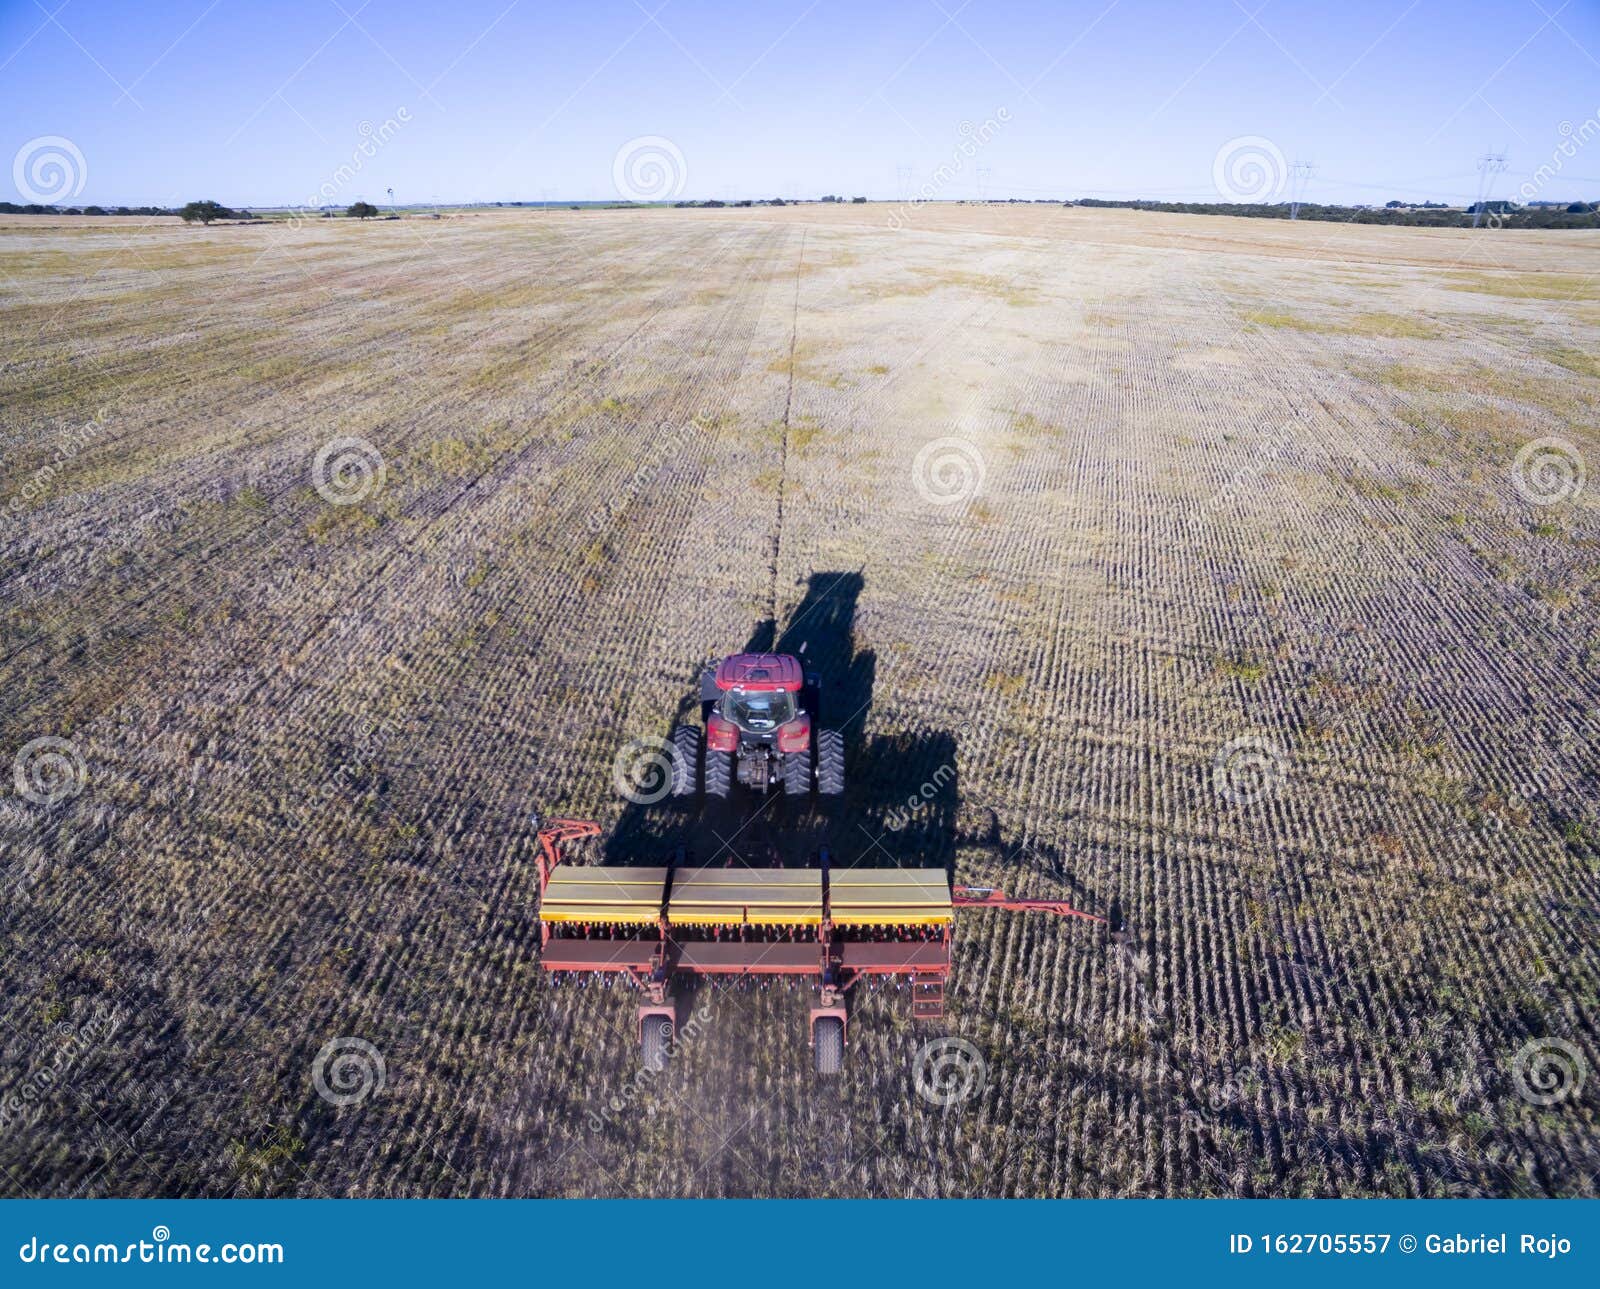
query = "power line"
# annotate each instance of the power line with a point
(1489, 165)
(1299, 177)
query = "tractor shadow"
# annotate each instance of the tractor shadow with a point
(902, 795)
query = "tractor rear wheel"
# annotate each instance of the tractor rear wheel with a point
(719, 773)
(830, 763)
(797, 774)
(655, 1037)
(685, 761)
(827, 1039)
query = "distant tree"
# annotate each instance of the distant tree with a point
(1578, 208)
(204, 212)
(94, 210)
(366, 210)
(859, 201)
(1393, 205)
(778, 201)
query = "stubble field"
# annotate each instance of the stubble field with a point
(1197, 570)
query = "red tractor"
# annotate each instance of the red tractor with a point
(762, 716)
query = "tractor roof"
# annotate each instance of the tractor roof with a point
(759, 671)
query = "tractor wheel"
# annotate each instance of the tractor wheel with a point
(685, 761)
(827, 1038)
(830, 763)
(719, 774)
(797, 774)
(655, 1036)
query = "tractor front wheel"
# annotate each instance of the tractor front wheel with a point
(830, 763)
(796, 774)
(719, 774)
(685, 761)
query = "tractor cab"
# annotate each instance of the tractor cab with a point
(758, 711)
(755, 694)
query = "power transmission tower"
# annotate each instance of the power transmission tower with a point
(983, 182)
(1489, 165)
(902, 176)
(1299, 180)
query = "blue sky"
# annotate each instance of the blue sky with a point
(260, 102)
